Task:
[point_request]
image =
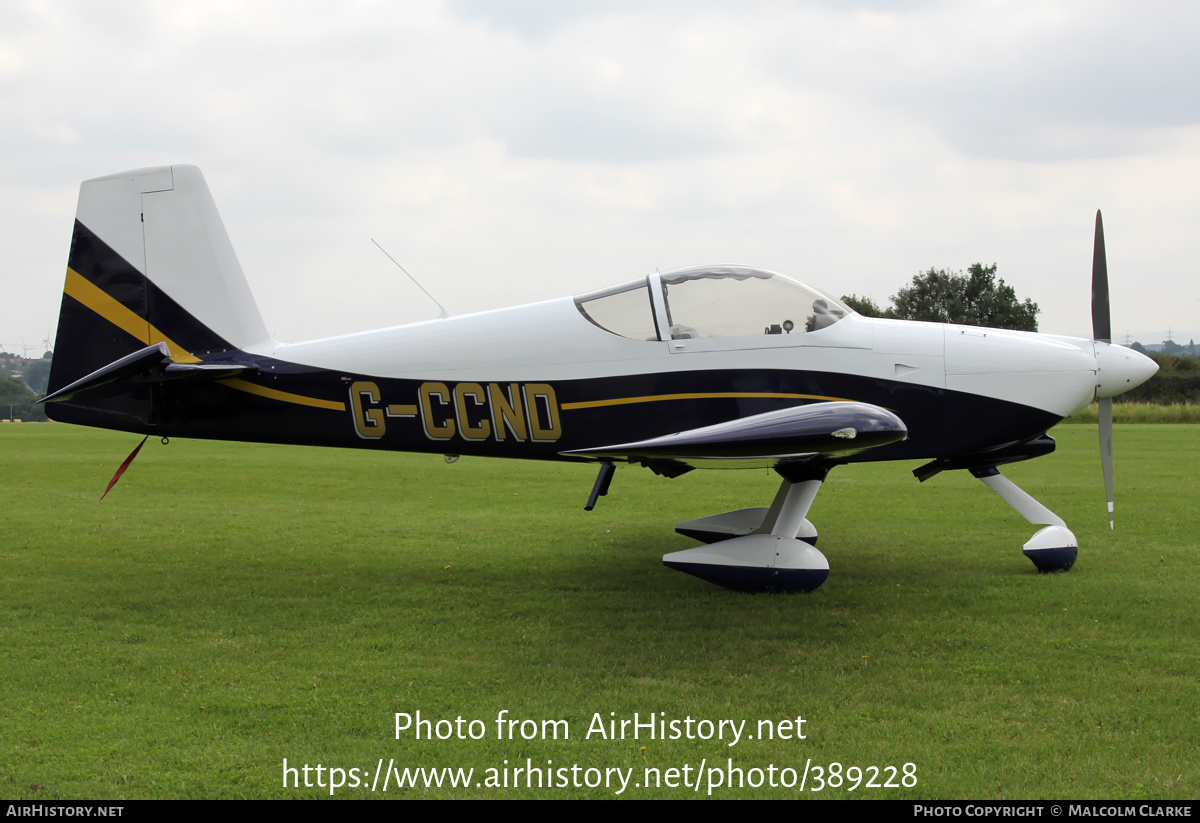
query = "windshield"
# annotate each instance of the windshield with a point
(623, 310)
(735, 301)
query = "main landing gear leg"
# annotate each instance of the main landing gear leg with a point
(1053, 548)
(776, 549)
(792, 501)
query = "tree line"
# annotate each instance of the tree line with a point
(19, 402)
(23, 382)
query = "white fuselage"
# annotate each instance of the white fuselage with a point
(552, 341)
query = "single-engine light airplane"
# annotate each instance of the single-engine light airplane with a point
(710, 367)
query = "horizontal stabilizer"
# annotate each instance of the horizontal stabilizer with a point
(152, 364)
(204, 371)
(129, 366)
(825, 430)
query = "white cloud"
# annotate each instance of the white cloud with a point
(514, 151)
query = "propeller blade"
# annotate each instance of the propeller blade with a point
(1101, 322)
(1102, 332)
(1106, 449)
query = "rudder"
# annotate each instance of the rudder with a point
(150, 262)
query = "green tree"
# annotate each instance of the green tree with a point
(36, 374)
(974, 298)
(18, 400)
(866, 306)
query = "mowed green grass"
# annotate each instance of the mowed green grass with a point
(231, 605)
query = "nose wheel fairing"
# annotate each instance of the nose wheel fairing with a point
(1053, 548)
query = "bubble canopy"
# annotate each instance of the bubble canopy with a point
(711, 302)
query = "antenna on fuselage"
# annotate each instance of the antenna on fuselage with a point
(444, 313)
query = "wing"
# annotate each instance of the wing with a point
(799, 434)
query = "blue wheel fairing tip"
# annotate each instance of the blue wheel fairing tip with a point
(1053, 560)
(756, 580)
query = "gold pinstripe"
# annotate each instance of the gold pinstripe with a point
(89, 294)
(96, 299)
(286, 397)
(654, 398)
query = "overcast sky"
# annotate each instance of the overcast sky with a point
(506, 152)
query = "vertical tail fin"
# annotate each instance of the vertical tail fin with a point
(150, 262)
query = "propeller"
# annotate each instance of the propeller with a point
(1102, 333)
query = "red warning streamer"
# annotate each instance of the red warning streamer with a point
(124, 466)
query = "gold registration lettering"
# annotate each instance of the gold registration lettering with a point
(539, 397)
(472, 411)
(433, 429)
(474, 391)
(507, 411)
(368, 422)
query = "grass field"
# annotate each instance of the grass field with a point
(232, 605)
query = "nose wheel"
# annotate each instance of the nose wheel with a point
(1053, 548)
